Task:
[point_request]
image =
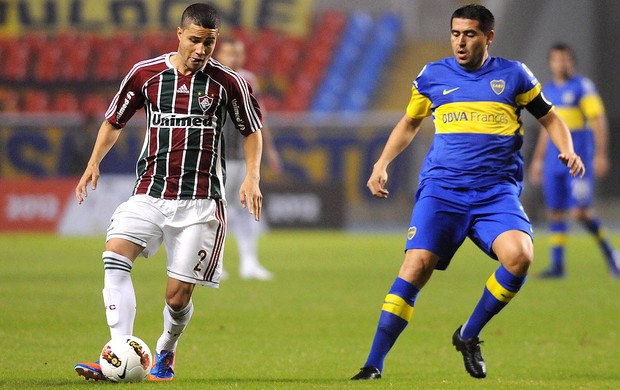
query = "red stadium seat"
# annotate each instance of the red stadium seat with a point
(17, 58)
(35, 100)
(65, 101)
(94, 105)
(106, 59)
(48, 60)
(77, 50)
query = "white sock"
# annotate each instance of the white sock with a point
(118, 294)
(174, 325)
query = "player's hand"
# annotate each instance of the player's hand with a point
(251, 197)
(91, 175)
(574, 163)
(376, 182)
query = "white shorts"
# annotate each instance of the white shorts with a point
(192, 231)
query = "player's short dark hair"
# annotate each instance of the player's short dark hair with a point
(201, 14)
(565, 47)
(485, 18)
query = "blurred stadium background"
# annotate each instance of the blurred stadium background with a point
(335, 77)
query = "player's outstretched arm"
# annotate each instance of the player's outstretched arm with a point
(401, 136)
(106, 138)
(560, 136)
(249, 193)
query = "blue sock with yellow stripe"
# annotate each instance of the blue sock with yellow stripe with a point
(557, 240)
(501, 287)
(395, 315)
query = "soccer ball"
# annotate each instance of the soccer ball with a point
(126, 359)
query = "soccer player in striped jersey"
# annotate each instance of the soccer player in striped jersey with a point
(581, 107)
(231, 52)
(179, 197)
(470, 181)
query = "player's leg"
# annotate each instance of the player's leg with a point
(592, 223)
(436, 232)
(194, 257)
(243, 226)
(177, 313)
(557, 193)
(247, 243)
(515, 251)
(397, 308)
(558, 230)
(503, 231)
(130, 233)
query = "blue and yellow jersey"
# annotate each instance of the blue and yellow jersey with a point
(477, 117)
(577, 102)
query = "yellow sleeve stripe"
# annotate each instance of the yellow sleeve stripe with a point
(557, 239)
(419, 106)
(525, 98)
(397, 306)
(592, 106)
(499, 292)
(573, 116)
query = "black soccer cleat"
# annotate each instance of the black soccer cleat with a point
(472, 357)
(367, 373)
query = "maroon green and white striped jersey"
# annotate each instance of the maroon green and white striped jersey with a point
(183, 152)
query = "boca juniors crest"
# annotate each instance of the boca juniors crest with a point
(498, 86)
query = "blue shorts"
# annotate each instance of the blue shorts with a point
(442, 219)
(563, 192)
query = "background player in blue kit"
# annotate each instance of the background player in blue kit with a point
(470, 181)
(581, 107)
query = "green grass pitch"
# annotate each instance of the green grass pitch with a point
(312, 326)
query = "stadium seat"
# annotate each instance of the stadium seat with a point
(18, 56)
(76, 50)
(48, 59)
(94, 105)
(64, 101)
(35, 100)
(106, 59)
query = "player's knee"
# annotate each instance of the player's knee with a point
(178, 295)
(518, 259)
(418, 267)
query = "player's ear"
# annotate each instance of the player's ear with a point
(490, 37)
(179, 32)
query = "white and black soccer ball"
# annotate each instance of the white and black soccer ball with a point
(126, 359)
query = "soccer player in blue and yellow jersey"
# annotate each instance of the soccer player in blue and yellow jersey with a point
(581, 107)
(470, 181)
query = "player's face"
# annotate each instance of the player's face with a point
(469, 44)
(231, 54)
(196, 46)
(561, 64)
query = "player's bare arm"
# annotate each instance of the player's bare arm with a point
(106, 138)
(600, 129)
(537, 163)
(249, 193)
(401, 136)
(560, 136)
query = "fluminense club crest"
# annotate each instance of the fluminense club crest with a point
(498, 86)
(205, 102)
